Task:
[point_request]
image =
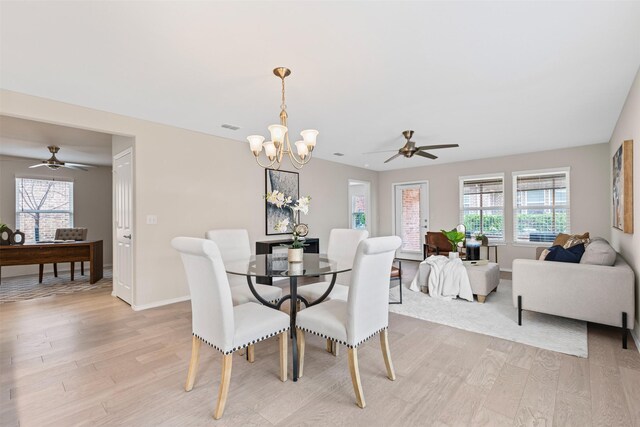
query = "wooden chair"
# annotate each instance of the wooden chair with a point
(436, 244)
(363, 315)
(216, 321)
(78, 234)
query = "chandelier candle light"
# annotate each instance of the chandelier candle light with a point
(279, 145)
(298, 230)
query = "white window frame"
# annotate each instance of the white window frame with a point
(567, 207)
(71, 212)
(463, 179)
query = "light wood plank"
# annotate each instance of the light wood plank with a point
(631, 384)
(507, 390)
(608, 401)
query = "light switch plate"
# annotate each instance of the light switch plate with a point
(152, 219)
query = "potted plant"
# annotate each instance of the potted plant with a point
(455, 237)
(480, 237)
(298, 230)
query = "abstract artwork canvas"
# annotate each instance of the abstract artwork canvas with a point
(622, 192)
(287, 183)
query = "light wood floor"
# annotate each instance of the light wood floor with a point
(88, 359)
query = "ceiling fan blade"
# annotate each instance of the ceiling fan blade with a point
(75, 167)
(38, 165)
(435, 147)
(376, 152)
(80, 165)
(392, 157)
(425, 154)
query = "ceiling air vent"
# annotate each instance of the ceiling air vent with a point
(338, 154)
(232, 127)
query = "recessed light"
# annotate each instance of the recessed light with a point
(232, 127)
(338, 154)
(366, 165)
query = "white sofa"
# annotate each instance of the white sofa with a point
(585, 291)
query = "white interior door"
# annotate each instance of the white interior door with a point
(411, 219)
(123, 225)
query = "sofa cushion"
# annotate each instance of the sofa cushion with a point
(560, 254)
(599, 252)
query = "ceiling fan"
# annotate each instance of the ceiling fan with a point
(53, 162)
(409, 149)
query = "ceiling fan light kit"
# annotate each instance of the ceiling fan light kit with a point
(54, 164)
(279, 145)
(409, 149)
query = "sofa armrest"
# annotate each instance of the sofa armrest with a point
(594, 293)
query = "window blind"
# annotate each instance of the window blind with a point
(541, 206)
(482, 206)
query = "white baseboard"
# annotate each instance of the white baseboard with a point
(506, 270)
(160, 303)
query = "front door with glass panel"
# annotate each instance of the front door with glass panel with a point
(411, 207)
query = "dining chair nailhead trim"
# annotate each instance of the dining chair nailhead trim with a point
(242, 346)
(342, 342)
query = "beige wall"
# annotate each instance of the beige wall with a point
(193, 182)
(628, 127)
(589, 191)
(92, 203)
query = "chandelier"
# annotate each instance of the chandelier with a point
(279, 145)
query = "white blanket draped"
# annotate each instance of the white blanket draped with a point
(446, 278)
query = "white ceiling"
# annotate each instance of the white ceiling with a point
(27, 138)
(496, 77)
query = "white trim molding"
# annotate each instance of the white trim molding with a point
(160, 303)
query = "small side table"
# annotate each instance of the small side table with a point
(495, 247)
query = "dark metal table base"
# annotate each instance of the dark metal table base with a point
(293, 297)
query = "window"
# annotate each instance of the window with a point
(359, 205)
(42, 206)
(482, 205)
(540, 205)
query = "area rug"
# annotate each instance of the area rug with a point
(27, 287)
(498, 318)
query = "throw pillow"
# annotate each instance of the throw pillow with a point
(543, 255)
(559, 254)
(575, 239)
(599, 252)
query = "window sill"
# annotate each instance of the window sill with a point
(532, 244)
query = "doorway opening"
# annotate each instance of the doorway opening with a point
(360, 205)
(411, 217)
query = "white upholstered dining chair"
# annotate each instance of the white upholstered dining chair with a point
(234, 246)
(343, 243)
(216, 321)
(364, 314)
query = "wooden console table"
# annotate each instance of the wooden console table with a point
(47, 253)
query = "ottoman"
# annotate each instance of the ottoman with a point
(484, 278)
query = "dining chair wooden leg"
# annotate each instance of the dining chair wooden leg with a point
(301, 345)
(223, 390)
(384, 344)
(335, 348)
(355, 376)
(329, 346)
(283, 339)
(55, 269)
(251, 353)
(193, 363)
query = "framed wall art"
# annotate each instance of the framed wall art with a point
(287, 183)
(622, 191)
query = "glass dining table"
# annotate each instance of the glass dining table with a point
(277, 266)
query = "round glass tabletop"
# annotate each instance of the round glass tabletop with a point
(277, 265)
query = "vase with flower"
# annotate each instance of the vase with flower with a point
(298, 229)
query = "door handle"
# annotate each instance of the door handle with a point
(127, 236)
